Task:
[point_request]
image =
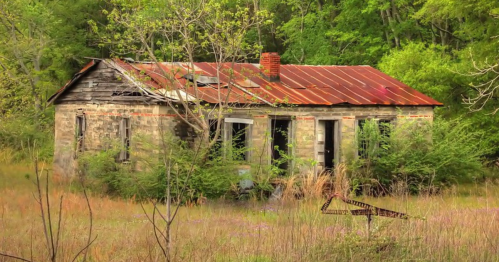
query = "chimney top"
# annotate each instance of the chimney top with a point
(270, 64)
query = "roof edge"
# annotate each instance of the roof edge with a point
(93, 63)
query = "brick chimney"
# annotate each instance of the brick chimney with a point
(270, 64)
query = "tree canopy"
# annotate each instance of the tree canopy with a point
(446, 49)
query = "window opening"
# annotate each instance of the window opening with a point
(239, 138)
(384, 126)
(126, 93)
(125, 135)
(232, 143)
(371, 138)
(79, 134)
(216, 150)
(201, 80)
(280, 139)
(363, 143)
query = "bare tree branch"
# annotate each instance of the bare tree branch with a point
(485, 91)
(15, 257)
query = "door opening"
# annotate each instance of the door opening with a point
(327, 151)
(329, 145)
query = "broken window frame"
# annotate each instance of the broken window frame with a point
(125, 139)
(386, 122)
(80, 128)
(202, 80)
(385, 129)
(232, 135)
(225, 141)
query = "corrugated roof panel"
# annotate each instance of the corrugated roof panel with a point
(319, 77)
(380, 92)
(300, 85)
(355, 87)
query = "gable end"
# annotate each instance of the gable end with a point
(100, 84)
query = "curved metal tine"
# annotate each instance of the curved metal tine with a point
(392, 214)
(327, 203)
(361, 212)
(336, 212)
(357, 203)
(356, 212)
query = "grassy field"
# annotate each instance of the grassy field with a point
(460, 225)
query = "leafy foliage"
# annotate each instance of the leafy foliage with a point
(431, 45)
(421, 155)
(213, 178)
(42, 45)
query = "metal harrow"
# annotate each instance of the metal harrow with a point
(367, 210)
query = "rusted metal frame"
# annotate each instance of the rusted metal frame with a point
(411, 98)
(234, 97)
(357, 82)
(281, 88)
(367, 210)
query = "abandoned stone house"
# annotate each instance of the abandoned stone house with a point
(317, 109)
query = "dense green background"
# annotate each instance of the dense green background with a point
(429, 44)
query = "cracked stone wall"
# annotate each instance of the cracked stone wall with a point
(102, 131)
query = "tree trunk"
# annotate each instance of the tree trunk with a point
(385, 25)
(392, 27)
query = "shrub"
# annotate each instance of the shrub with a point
(422, 155)
(21, 134)
(212, 178)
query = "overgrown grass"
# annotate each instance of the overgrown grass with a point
(459, 225)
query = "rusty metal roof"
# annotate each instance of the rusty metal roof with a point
(298, 85)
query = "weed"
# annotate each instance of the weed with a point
(461, 224)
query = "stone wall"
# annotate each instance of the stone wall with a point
(102, 127)
(304, 127)
(102, 130)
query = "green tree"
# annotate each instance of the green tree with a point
(174, 31)
(42, 43)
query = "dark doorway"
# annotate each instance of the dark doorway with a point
(329, 145)
(280, 139)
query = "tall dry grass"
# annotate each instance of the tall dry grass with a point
(314, 187)
(459, 225)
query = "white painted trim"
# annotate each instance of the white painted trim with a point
(238, 120)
